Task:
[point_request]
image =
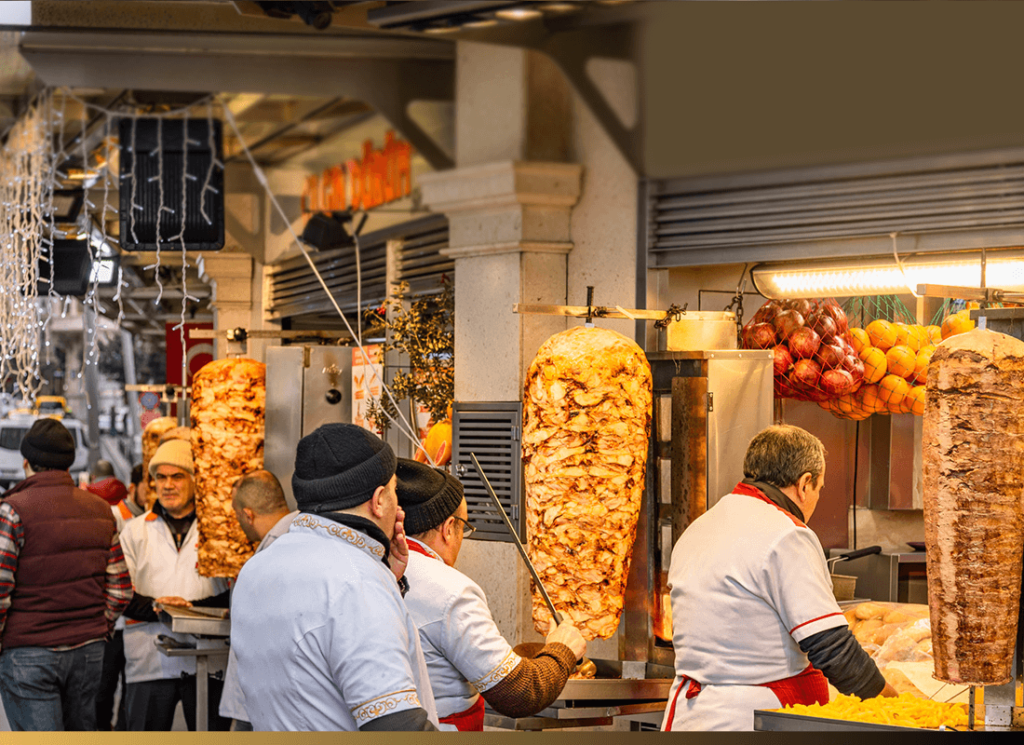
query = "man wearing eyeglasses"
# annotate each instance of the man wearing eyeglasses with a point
(467, 658)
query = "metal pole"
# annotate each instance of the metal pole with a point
(202, 702)
(133, 425)
(92, 388)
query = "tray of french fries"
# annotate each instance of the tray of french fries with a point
(905, 711)
(898, 638)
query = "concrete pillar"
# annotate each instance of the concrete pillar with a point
(509, 203)
(230, 276)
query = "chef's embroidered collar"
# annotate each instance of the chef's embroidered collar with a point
(422, 548)
(358, 531)
(776, 495)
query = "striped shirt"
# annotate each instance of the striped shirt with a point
(118, 588)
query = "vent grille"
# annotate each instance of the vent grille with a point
(693, 220)
(421, 264)
(490, 430)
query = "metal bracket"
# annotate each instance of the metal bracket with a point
(711, 400)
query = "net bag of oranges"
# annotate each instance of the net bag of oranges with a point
(813, 351)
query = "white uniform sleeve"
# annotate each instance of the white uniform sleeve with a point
(798, 587)
(370, 658)
(473, 643)
(128, 549)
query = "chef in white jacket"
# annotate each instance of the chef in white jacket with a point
(468, 659)
(323, 637)
(755, 624)
(160, 548)
(262, 511)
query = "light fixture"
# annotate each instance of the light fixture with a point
(67, 203)
(882, 276)
(480, 23)
(518, 14)
(441, 27)
(104, 271)
(559, 7)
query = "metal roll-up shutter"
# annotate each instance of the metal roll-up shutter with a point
(941, 203)
(420, 262)
(296, 294)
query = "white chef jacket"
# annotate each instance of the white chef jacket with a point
(158, 568)
(464, 651)
(323, 637)
(748, 583)
(232, 700)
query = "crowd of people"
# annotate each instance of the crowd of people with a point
(383, 633)
(351, 614)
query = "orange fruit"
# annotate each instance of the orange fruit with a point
(875, 365)
(845, 403)
(934, 334)
(957, 323)
(902, 334)
(438, 434)
(859, 339)
(918, 338)
(882, 334)
(901, 360)
(869, 400)
(891, 390)
(916, 398)
(921, 366)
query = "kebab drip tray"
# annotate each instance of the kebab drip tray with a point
(596, 701)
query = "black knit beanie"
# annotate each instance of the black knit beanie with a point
(428, 495)
(339, 466)
(49, 444)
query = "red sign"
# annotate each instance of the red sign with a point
(198, 351)
(379, 177)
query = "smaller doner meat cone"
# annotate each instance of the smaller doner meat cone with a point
(228, 399)
(973, 487)
(151, 437)
(586, 423)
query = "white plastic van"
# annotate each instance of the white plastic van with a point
(12, 431)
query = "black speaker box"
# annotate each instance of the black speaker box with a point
(140, 172)
(72, 265)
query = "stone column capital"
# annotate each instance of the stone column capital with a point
(501, 185)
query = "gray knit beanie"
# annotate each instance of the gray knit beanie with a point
(339, 466)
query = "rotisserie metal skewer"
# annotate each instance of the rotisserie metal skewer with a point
(515, 538)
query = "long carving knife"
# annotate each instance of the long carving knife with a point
(515, 537)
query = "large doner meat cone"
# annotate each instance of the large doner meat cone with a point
(586, 421)
(228, 399)
(973, 486)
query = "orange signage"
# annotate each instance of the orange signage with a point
(379, 177)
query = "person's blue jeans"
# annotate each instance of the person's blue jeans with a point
(46, 691)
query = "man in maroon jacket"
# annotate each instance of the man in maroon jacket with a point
(63, 583)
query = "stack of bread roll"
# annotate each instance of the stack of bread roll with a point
(228, 398)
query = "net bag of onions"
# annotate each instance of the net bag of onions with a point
(814, 355)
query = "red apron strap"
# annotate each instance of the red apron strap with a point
(470, 720)
(692, 689)
(809, 687)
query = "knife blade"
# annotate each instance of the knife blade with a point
(515, 538)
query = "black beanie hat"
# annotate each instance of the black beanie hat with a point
(49, 444)
(339, 466)
(428, 495)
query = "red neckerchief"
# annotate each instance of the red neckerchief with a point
(415, 547)
(753, 491)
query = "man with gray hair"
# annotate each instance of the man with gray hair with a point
(755, 623)
(262, 512)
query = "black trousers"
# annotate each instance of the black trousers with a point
(113, 671)
(151, 704)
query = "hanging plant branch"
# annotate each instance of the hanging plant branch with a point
(424, 330)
